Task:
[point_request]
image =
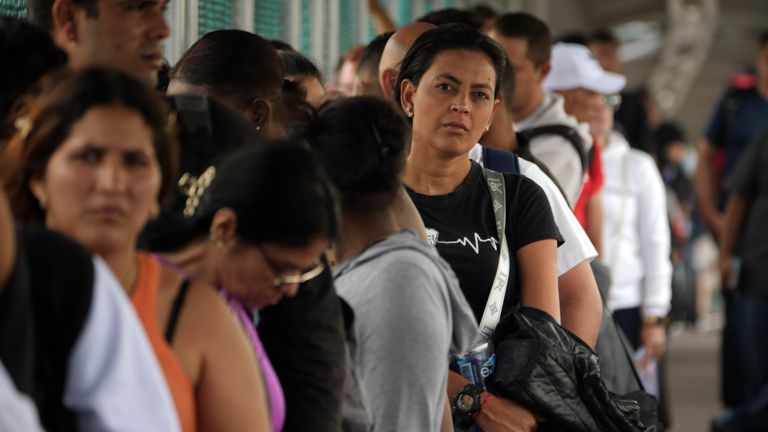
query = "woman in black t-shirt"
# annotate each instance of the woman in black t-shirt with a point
(447, 87)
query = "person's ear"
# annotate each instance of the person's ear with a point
(63, 21)
(407, 92)
(493, 113)
(544, 70)
(385, 81)
(260, 113)
(224, 226)
(37, 187)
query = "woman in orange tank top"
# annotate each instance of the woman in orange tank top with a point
(100, 158)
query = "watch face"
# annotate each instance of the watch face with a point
(465, 402)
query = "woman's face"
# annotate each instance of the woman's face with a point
(454, 101)
(101, 184)
(249, 271)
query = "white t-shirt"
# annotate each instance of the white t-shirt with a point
(114, 382)
(576, 247)
(554, 151)
(17, 411)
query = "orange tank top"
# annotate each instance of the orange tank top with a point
(144, 299)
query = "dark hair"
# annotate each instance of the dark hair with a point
(604, 35)
(530, 28)
(573, 37)
(451, 37)
(235, 65)
(46, 120)
(361, 142)
(281, 46)
(278, 191)
(163, 77)
(41, 11)
(238, 66)
(296, 64)
(452, 16)
(369, 62)
(28, 53)
(483, 12)
(507, 89)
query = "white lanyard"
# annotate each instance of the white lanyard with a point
(492, 312)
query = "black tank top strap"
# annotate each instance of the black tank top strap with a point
(173, 318)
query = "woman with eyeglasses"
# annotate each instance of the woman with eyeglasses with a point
(92, 158)
(257, 225)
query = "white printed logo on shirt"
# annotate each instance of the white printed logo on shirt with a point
(474, 244)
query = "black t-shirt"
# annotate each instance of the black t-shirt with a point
(461, 225)
(305, 339)
(750, 179)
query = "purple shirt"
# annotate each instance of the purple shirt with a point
(272, 384)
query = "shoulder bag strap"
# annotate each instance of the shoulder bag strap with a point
(492, 312)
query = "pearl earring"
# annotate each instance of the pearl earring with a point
(408, 112)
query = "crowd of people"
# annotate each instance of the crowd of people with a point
(445, 237)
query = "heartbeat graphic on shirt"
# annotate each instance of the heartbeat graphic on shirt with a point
(473, 244)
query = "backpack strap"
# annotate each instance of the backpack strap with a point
(492, 313)
(501, 161)
(567, 132)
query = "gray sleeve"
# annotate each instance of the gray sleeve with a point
(404, 338)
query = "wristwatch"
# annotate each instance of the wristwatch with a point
(655, 320)
(465, 404)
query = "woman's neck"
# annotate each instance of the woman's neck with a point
(363, 230)
(430, 173)
(195, 261)
(125, 265)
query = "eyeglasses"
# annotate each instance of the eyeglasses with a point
(299, 278)
(281, 280)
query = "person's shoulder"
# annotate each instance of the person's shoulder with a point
(521, 184)
(54, 248)
(641, 159)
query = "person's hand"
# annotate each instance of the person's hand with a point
(653, 337)
(503, 415)
(715, 221)
(727, 276)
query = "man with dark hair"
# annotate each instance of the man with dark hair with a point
(367, 82)
(528, 44)
(123, 34)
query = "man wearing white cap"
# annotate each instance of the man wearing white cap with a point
(580, 79)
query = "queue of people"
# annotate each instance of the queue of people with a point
(244, 251)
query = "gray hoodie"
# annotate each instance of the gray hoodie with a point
(410, 317)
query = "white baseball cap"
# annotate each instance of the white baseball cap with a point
(573, 66)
